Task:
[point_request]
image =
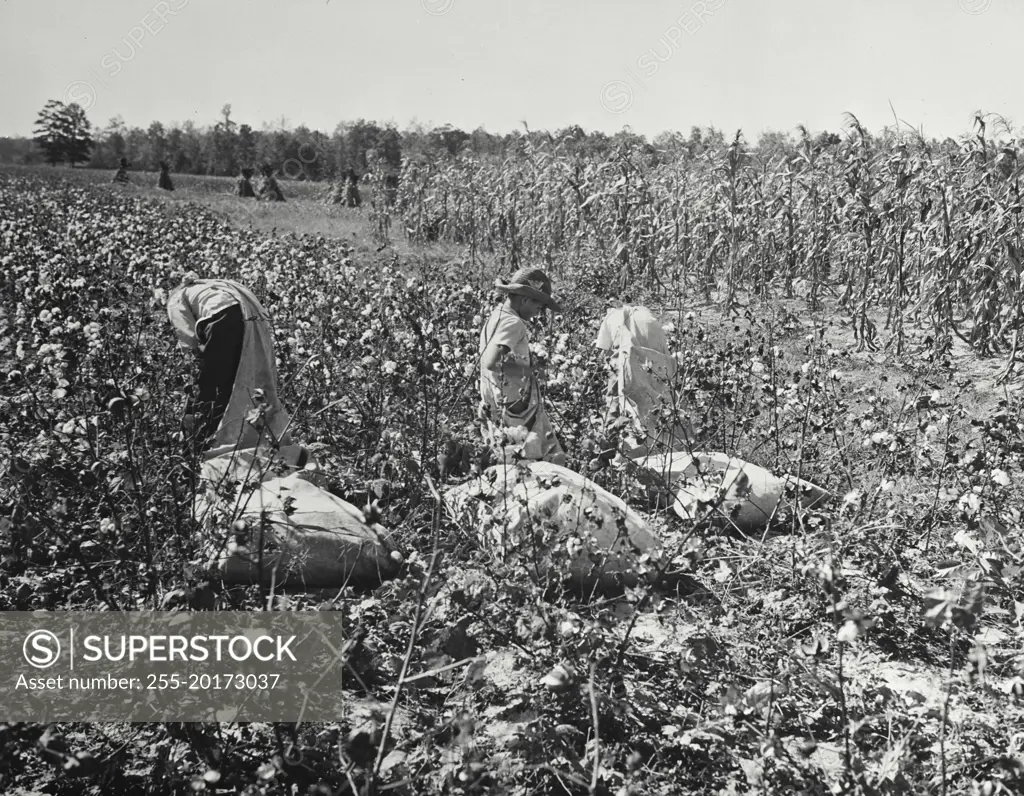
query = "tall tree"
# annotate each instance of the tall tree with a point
(483, 143)
(223, 147)
(390, 148)
(46, 133)
(775, 144)
(175, 149)
(305, 154)
(362, 137)
(156, 145)
(137, 145)
(79, 135)
(670, 146)
(273, 142)
(63, 133)
(449, 139)
(339, 150)
(415, 142)
(245, 146)
(113, 142)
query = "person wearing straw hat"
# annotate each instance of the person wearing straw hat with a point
(511, 406)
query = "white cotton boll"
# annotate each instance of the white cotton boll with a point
(1000, 477)
(969, 504)
(849, 632)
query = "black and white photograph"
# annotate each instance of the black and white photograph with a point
(559, 397)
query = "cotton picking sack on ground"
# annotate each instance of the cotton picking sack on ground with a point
(733, 492)
(556, 519)
(310, 538)
(644, 370)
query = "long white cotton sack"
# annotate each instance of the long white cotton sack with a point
(732, 490)
(549, 515)
(320, 541)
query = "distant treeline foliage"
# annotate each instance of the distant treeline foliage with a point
(225, 147)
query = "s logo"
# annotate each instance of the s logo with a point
(41, 649)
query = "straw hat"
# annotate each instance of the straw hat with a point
(532, 283)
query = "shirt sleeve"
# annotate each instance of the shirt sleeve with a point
(509, 331)
(182, 320)
(608, 334)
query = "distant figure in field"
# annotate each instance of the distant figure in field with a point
(122, 172)
(244, 188)
(268, 189)
(165, 177)
(511, 404)
(225, 325)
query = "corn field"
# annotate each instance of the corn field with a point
(894, 227)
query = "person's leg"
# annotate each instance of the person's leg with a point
(221, 339)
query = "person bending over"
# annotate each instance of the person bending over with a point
(226, 326)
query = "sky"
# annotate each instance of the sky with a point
(651, 65)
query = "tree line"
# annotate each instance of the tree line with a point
(64, 134)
